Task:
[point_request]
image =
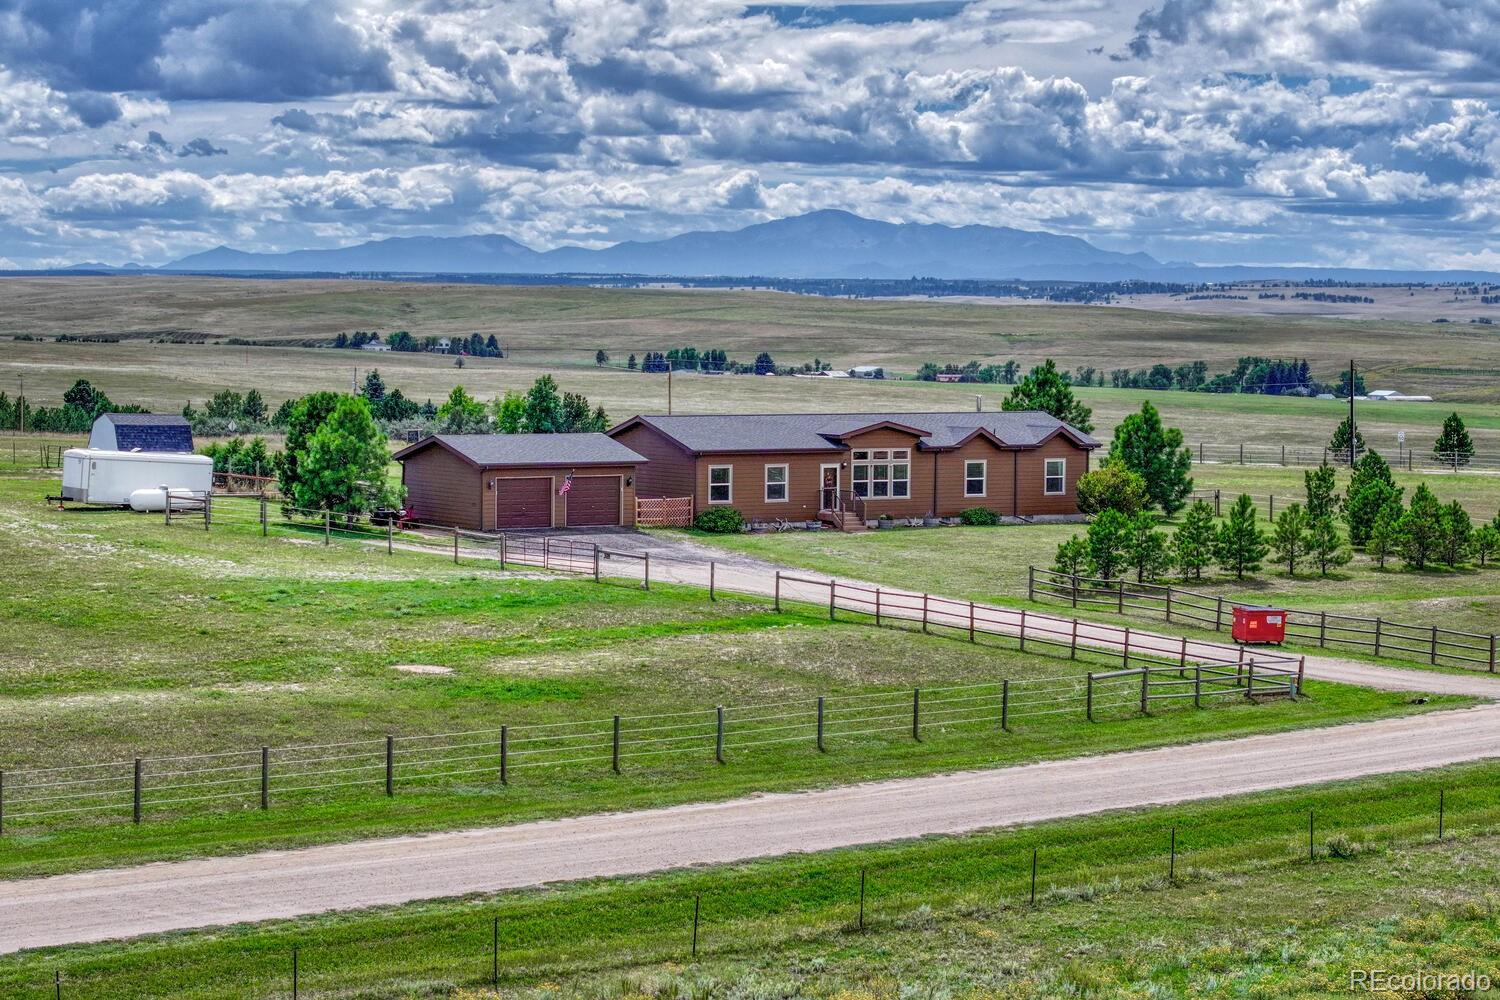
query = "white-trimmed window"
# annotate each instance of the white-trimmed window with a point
(720, 483)
(776, 483)
(1055, 477)
(975, 475)
(883, 474)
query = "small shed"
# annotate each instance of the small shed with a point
(508, 482)
(141, 432)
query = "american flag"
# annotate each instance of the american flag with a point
(566, 486)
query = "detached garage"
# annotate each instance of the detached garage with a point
(512, 482)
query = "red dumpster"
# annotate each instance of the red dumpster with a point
(1259, 624)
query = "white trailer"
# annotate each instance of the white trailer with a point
(96, 476)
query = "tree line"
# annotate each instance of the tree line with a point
(475, 345)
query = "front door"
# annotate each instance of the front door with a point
(830, 491)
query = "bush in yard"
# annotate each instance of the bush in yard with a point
(1290, 539)
(1157, 455)
(1111, 487)
(720, 521)
(1241, 545)
(1108, 539)
(1193, 544)
(979, 516)
(1419, 532)
(1325, 545)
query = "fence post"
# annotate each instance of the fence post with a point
(596, 567)
(1377, 635)
(390, 765)
(1310, 855)
(832, 588)
(1322, 629)
(778, 590)
(1088, 701)
(1075, 591)
(916, 714)
(1434, 646)
(265, 778)
(208, 509)
(924, 614)
(455, 546)
(1145, 688)
(1023, 630)
(861, 899)
(1492, 652)
(1005, 705)
(1197, 685)
(502, 553)
(646, 574)
(328, 527)
(504, 755)
(1219, 615)
(1271, 507)
(1182, 657)
(1169, 603)
(264, 523)
(971, 621)
(1200, 452)
(495, 954)
(1440, 812)
(1218, 509)
(820, 724)
(166, 504)
(1073, 643)
(1125, 655)
(1250, 679)
(546, 551)
(697, 908)
(711, 595)
(614, 751)
(719, 733)
(136, 796)
(1242, 453)
(1031, 583)
(1172, 866)
(1301, 667)
(1283, 455)
(1120, 596)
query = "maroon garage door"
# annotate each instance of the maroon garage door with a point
(523, 503)
(594, 500)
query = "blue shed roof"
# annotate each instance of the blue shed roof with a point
(150, 432)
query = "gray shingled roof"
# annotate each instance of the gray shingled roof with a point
(535, 449)
(818, 431)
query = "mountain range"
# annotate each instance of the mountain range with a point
(822, 244)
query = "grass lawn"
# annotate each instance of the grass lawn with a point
(1246, 914)
(128, 638)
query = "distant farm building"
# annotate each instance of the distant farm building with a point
(867, 371)
(1392, 396)
(507, 482)
(141, 432)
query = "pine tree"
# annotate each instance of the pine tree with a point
(1338, 446)
(1486, 543)
(601, 357)
(1454, 446)
(1107, 538)
(630, 362)
(1320, 484)
(1420, 530)
(1371, 488)
(1241, 545)
(1045, 388)
(1147, 550)
(1384, 538)
(1457, 534)
(343, 467)
(1072, 557)
(374, 388)
(1193, 544)
(1155, 453)
(544, 407)
(1325, 544)
(1290, 539)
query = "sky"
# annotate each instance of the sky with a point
(1359, 133)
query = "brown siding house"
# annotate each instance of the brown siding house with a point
(505, 482)
(849, 467)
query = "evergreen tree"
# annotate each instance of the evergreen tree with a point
(575, 413)
(1486, 543)
(1241, 545)
(1457, 534)
(1045, 388)
(601, 357)
(306, 416)
(544, 407)
(1146, 548)
(1320, 484)
(630, 362)
(1156, 454)
(253, 411)
(1289, 539)
(1338, 445)
(1420, 530)
(374, 387)
(1072, 557)
(1384, 539)
(1108, 538)
(1193, 544)
(343, 467)
(1325, 544)
(1454, 446)
(1371, 488)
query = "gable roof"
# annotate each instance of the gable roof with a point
(814, 432)
(530, 449)
(150, 431)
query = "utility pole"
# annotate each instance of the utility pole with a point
(1351, 413)
(669, 388)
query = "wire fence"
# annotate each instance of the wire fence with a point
(1242, 453)
(1377, 635)
(733, 912)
